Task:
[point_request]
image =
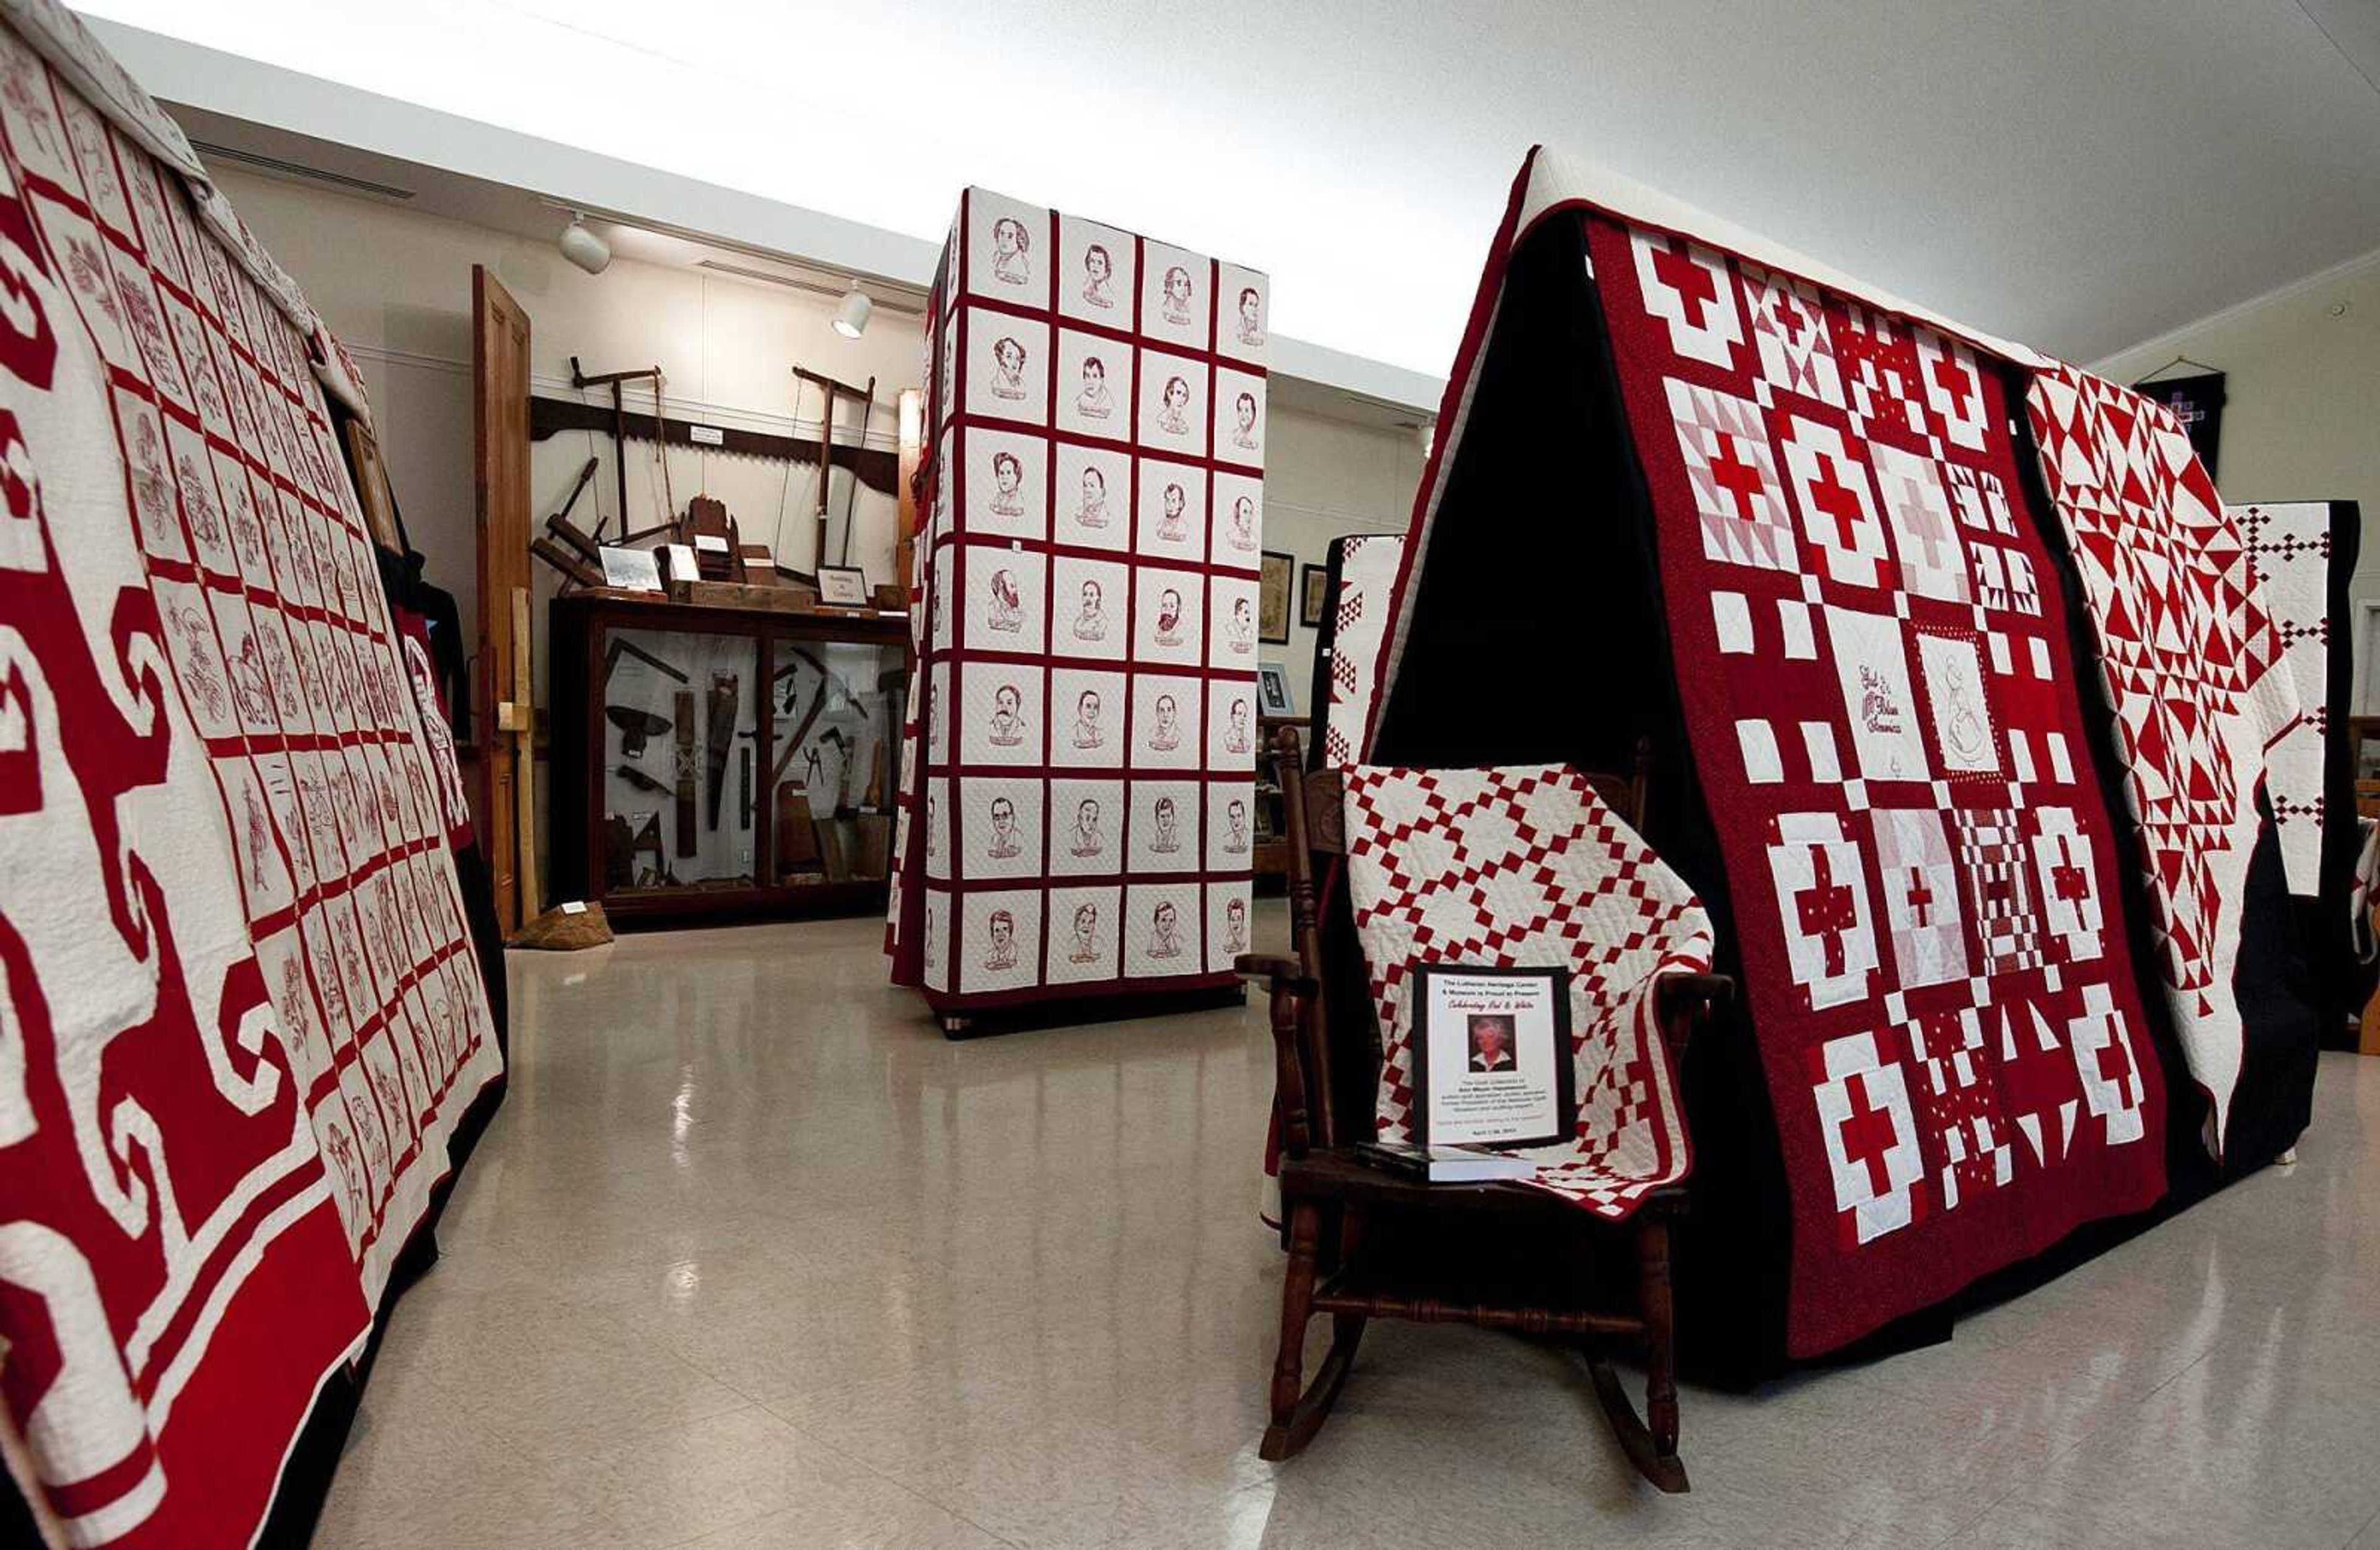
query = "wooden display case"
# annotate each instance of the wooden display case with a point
(713, 763)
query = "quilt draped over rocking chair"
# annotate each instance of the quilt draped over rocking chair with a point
(1527, 868)
(1391, 869)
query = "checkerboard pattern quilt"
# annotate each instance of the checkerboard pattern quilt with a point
(2289, 547)
(2191, 667)
(1876, 689)
(239, 1012)
(1366, 565)
(1082, 819)
(1528, 868)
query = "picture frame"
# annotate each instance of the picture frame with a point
(371, 489)
(1491, 1056)
(631, 569)
(2363, 737)
(1272, 596)
(1313, 595)
(1273, 696)
(842, 587)
(2367, 653)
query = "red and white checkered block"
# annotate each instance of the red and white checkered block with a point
(1528, 867)
(2288, 550)
(1368, 564)
(1963, 1103)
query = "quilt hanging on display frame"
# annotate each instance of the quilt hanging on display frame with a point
(1081, 819)
(2191, 662)
(237, 996)
(1362, 573)
(2305, 556)
(1807, 516)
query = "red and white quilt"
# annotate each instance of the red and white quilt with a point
(2289, 544)
(239, 1013)
(1870, 652)
(1368, 566)
(1527, 868)
(1084, 724)
(2193, 669)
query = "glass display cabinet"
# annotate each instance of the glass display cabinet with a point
(715, 762)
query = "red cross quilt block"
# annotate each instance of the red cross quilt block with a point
(2192, 668)
(1874, 688)
(1527, 868)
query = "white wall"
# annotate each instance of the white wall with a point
(395, 286)
(2301, 411)
(1324, 478)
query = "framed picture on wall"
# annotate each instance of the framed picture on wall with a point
(1272, 690)
(1313, 595)
(2367, 651)
(2363, 736)
(1272, 596)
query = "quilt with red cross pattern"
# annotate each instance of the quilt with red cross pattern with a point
(1870, 649)
(2193, 667)
(239, 1010)
(1527, 868)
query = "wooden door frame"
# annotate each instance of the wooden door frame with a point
(505, 765)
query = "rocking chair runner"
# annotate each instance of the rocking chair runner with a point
(1321, 1061)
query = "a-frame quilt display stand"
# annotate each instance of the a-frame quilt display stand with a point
(1973, 793)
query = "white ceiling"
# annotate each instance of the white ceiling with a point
(2080, 176)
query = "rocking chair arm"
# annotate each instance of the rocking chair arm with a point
(1683, 1004)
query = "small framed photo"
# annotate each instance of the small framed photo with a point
(2363, 736)
(1491, 1056)
(1313, 595)
(631, 569)
(1272, 690)
(1272, 596)
(842, 585)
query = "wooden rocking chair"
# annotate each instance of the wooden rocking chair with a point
(1327, 1066)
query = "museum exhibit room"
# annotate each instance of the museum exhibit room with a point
(1070, 777)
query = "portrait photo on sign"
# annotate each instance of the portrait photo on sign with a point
(1272, 596)
(1491, 1056)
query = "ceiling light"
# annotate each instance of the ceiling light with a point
(851, 317)
(582, 247)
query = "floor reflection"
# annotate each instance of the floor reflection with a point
(753, 1257)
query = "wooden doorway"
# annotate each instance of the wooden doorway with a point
(507, 721)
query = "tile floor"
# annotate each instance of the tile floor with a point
(752, 1257)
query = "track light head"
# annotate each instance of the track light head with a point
(851, 315)
(582, 247)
